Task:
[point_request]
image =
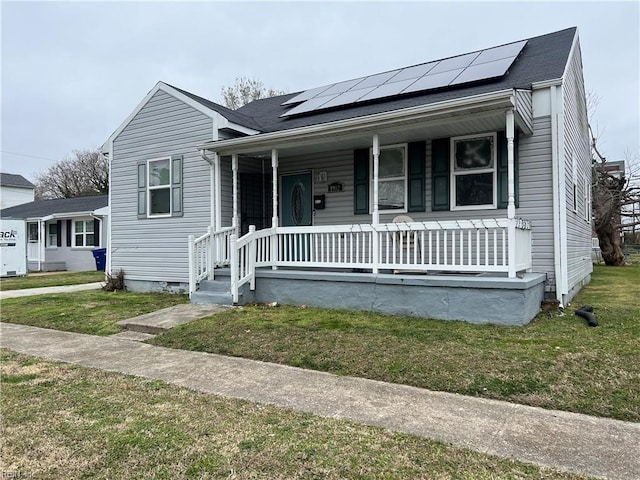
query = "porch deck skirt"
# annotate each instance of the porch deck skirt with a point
(477, 299)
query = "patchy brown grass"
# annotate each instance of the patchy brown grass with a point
(62, 421)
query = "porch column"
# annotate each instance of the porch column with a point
(511, 192)
(274, 168)
(42, 226)
(274, 196)
(234, 169)
(218, 191)
(375, 217)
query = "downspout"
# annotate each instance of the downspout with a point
(558, 198)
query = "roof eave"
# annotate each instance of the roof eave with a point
(239, 145)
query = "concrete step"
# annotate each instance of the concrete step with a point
(132, 335)
(217, 286)
(164, 320)
(212, 298)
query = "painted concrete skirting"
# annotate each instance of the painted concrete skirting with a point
(479, 299)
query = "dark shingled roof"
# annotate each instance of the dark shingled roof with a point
(13, 180)
(543, 58)
(42, 208)
(231, 115)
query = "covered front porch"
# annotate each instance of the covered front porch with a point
(391, 257)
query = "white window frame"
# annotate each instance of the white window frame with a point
(587, 200)
(53, 244)
(493, 170)
(405, 147)
(574, 179)
(84, 233)
(150, 188)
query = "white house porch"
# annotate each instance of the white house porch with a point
(488, 246)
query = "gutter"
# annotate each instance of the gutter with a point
(360, 123)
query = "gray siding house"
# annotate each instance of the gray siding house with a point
(62, 232)
(454, 189)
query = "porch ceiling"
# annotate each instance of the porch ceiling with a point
(480, 117)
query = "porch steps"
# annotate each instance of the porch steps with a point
(213, 292)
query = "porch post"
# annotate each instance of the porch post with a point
(42, 238)
(274, 217)
(375, 214)
(234, 169)
(511, 205)
(218, 192)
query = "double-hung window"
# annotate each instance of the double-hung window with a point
(473, 172)
(83, 233)
(160, 187)
(52, 234)
(392, 179)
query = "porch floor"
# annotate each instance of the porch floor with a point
(476, 298)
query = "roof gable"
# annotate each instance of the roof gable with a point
(56, 206)
(210, 109)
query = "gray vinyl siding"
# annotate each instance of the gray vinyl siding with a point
(156, 249)
(576, 149)
(535, 180)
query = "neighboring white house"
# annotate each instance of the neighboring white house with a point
(15, 190)
(454, 189)
(62, 232)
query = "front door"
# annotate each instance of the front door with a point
(33, 246)
(297, 200)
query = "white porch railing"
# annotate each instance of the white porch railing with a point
(207, 252)
(456, 245)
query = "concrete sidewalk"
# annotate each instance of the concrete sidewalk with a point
(27, 292)
(568, 441)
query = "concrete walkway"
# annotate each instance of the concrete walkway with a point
(568, 441)
(27, 292)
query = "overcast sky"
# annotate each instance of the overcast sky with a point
(73, 71)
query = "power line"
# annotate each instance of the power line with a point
(30, 156)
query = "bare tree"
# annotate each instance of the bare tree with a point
(246, 90)
(615, 195)
(85, 172)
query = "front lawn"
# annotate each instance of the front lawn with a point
(64, 421)
(555, 362)
(91, 312)
(50, 280)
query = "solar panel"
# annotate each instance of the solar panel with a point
(483, 71)
(498, 53)
(310, 105)
(377, 80)
(306, 95)
(437, 80)
(482, 65)
(454, 63)
(387, 90)
(347, 97)
(414, 72)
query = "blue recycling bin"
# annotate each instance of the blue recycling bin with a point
(100, 256)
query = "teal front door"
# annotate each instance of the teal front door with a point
(297, 200)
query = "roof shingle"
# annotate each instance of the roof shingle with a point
(42, 208)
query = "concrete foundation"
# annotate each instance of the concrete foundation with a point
(475, 299)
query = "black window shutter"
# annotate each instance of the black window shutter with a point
(440, 174)
(96, 232)
(361, 181)
(417, 159)
(176, 185)
(503, 170)
(68, 233)
(59, 233)
(142, 190)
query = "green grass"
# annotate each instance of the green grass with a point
(64, 421)
(90, 312)
(555, 362)
(50, 280)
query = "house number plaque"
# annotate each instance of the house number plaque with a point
(335, 187)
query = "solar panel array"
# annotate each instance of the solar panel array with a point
(482, 65)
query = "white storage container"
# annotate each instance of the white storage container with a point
(13, 247)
